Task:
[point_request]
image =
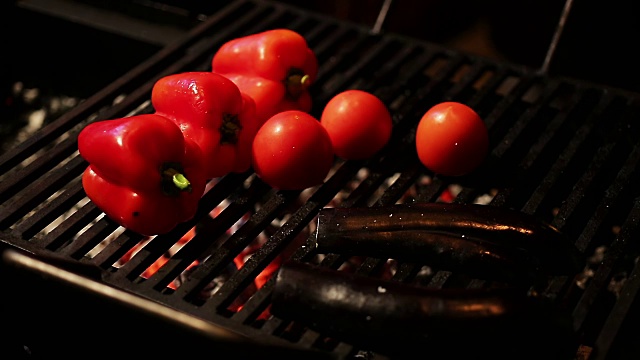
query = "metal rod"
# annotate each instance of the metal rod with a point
(382, 15)
(556, 36)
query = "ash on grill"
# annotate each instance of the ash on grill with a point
(29, 109)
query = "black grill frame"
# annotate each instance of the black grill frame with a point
(562, 149)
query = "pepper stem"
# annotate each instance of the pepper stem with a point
(304, 79)
(181, 181)
(174, 180)
(230, 129)
(296, 82)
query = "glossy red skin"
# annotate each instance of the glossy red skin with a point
(451, 139)
(270, 96)
(124, 177)
(358, 122)
(292, 151)
(260, 65)
(198, 102)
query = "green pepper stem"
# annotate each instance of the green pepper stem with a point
(296, 82)
(178, 179)
(181, 181)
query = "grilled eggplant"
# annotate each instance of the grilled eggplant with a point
(394, 318)
(487, 241)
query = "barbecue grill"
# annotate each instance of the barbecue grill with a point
(563, 150)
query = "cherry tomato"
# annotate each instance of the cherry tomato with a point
(359, 124)
(292, 151)
(451, 139)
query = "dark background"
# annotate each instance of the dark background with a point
(597, 44)
(73, 48)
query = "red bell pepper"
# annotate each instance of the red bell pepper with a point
(143, 173)
(211, 111)
(274, 67)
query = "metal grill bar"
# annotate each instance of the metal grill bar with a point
(599, 172)
(568, 154)
(70, 195)
(534, 152)
(615, 253)
(627, 174)
(611, 329)
(40, 191)
(213, 230)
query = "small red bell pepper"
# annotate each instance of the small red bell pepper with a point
(211, 111)
(143, 173)
(274, 67)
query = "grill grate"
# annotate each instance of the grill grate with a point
(564, 150)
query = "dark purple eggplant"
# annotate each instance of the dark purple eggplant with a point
(487, 240)
(483, 260)
(392, 317)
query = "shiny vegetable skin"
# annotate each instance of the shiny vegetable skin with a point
(358, 122)
(211, 111)
(292, 151)
(475, 257)
(393, 317)
(142, 172)
(274, 67)
(486, 238)
(452, 139)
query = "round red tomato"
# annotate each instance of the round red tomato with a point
(292, 151)
(451, 139)
(359, 124)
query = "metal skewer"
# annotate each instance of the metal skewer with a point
(382, 15)
(556, 36)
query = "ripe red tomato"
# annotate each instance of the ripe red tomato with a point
(292, 151)
(359, 124)
(451, 139)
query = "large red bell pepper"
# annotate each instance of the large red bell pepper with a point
(143, 173)
(274, 67)
(211, 111)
